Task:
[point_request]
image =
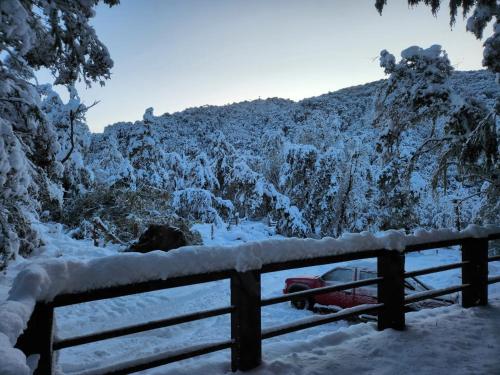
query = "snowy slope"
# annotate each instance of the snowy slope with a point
(313, 165)
(445, 340)
(342, 113)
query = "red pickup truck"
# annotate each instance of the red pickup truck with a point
(355, 296)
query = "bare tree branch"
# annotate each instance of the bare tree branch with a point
(72, 117)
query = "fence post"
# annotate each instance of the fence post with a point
(475, 273)
(38, 337)
(391, 290)
(246, 352)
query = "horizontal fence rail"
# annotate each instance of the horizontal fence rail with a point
(166, 358)
(493, 279)
(494, 258)
(426, 271)
(329, 318)
(421, 296)
(316, 291)
(123, 331)
(246, 304)
(143, 287)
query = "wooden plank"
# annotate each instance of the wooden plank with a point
(38, 338)
(320, 320)
(316, 291)
(309, 262)
(446, 243)
(475, 273)
(163, 359)
(122, 331)
(391, 290)
(493, 279)
(434, 245)
(246, 353)
(417, 297)
(494, 236)
(426, 271)
(494, 258)
(143, 287)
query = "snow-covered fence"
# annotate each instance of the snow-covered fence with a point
(41, 288)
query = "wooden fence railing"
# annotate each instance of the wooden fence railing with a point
(246, 303)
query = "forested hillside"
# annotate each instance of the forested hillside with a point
(388, 154)
(319, 167)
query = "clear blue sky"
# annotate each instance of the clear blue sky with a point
(175, 54)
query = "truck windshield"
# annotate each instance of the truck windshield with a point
(338, 275)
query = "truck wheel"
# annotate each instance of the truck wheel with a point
(301, 303)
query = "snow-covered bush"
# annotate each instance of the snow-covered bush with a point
(201, 205)
(121, 212)
(272, 155)
(200, 174)
(298, 172)
(107, 163)
(223, 155)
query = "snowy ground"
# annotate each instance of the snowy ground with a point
(320, 350)
(438, 341)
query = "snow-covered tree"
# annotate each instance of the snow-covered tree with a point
(38, 34)
(298, 172)
(243, 188)
(200, 173)
(223, 154)
(460, 145)
(290, 221)
(151, 164)
(107, 163)
(480, 12)
(323, 192)
(479, 143)
(417, 91)
(395, 200)
(339, 192)
(201, 205)
(272, 154)
(73, 135)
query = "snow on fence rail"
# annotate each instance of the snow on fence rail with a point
(41, 287)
